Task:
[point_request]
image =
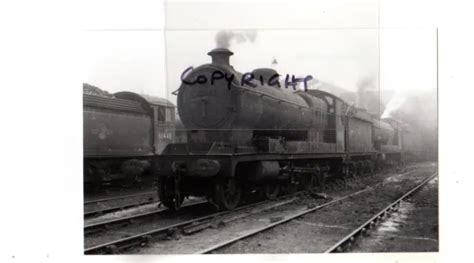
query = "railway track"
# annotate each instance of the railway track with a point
(112, 204)
(195, 225)
(346, 242)
(100, 200)
(223, 245)
(185, 227)
(289, 218)
(90, 229)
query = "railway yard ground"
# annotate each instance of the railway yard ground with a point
(308, 222)
(413, 228)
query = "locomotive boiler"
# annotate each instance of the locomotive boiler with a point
(247, 136)
(241, 113)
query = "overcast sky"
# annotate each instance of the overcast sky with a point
(146, 47)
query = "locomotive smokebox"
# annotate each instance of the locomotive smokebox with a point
(220, 56)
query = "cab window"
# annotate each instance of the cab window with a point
(161, 116)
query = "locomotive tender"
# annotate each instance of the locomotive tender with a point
(120, 135)
(264, 138)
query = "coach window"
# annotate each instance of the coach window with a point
(168, 114)
(171, 112)
(161, 114)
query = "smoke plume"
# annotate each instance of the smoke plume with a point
(225, 38)
(393, 106)
(418, 110)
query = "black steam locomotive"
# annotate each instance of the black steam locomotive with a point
(256, 137)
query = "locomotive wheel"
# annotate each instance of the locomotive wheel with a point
(228, 193)
(167, 196)
(272, 191)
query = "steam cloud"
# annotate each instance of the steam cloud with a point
(417, 109)
(392, 106)
(225, 38)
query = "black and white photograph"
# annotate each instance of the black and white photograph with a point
(236, 130)
(261, 137)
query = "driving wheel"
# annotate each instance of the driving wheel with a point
(228, 193)
(167, 195)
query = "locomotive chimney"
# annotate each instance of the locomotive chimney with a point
(220, 56)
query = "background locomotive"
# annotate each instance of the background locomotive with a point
(121, 132)
(265, 138)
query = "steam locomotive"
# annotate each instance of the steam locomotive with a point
(121, 133)
(264, 138)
